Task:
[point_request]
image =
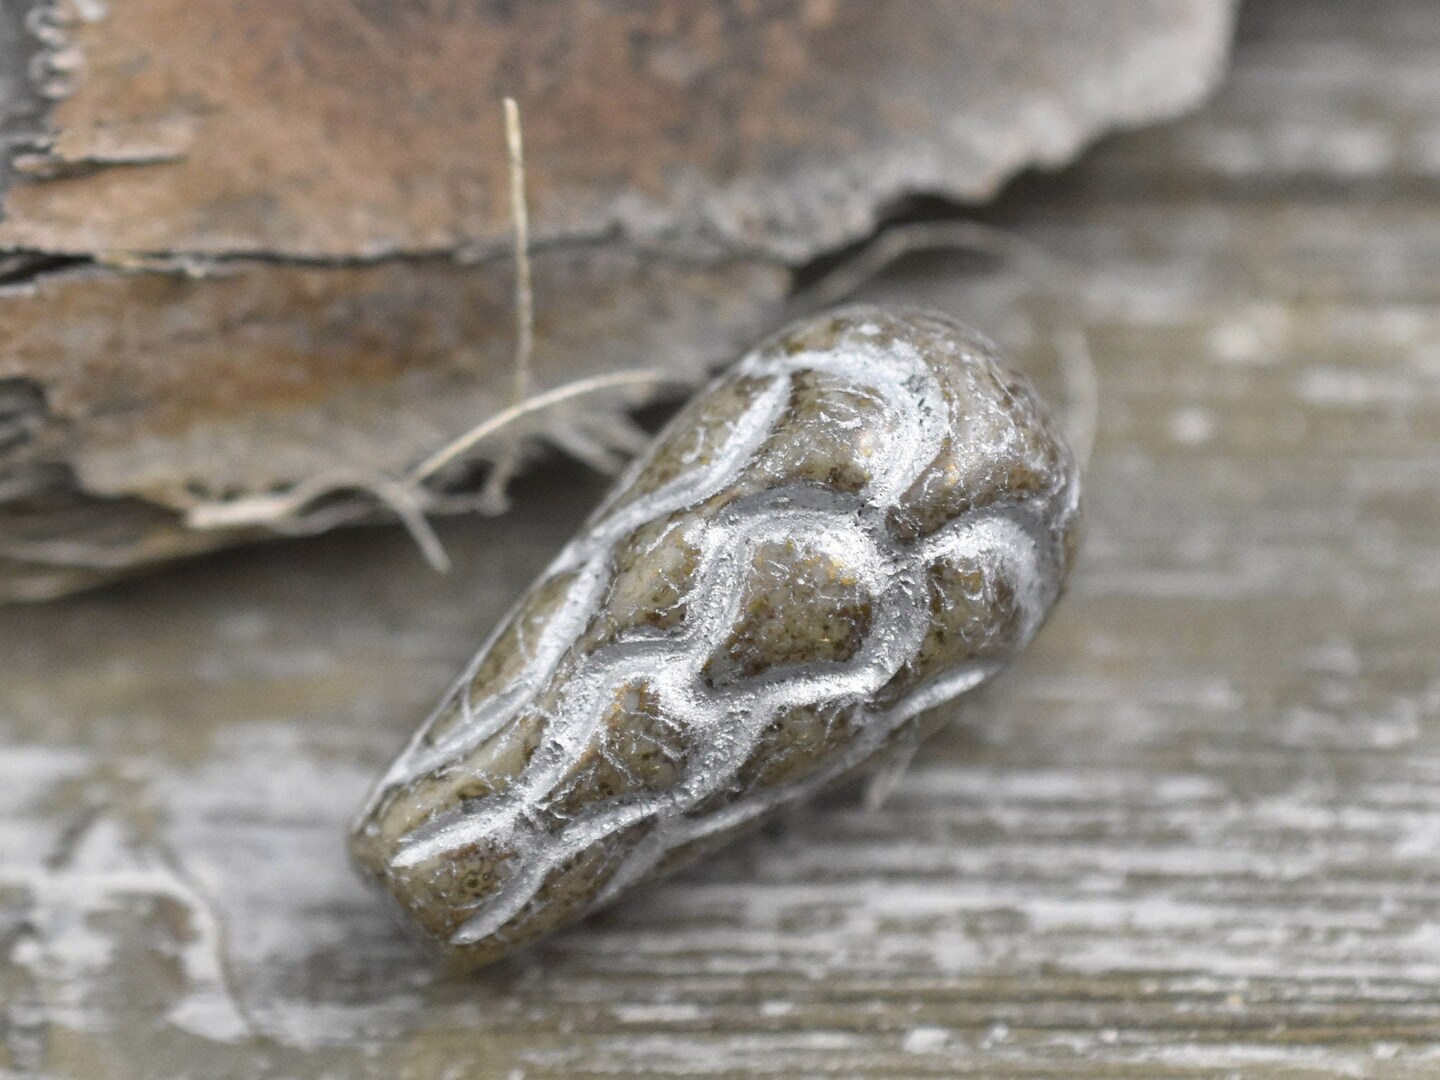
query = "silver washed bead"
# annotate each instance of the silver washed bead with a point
(863, 518)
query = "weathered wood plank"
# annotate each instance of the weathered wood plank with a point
(1196, 833)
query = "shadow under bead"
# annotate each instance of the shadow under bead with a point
(863, 518)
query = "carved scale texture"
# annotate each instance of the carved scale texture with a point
(863, 518)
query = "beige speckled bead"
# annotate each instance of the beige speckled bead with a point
(863, 518)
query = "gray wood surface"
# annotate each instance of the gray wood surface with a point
(1195, 833)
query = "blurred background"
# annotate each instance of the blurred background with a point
(259, 250)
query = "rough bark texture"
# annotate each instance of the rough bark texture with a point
(359, 129)
(260, 243)
(1194, 833)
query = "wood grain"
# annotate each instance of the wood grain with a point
(1196, 833)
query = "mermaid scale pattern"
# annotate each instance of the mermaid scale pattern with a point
(863, 518)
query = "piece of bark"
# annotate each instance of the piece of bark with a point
(182, 392)
(260, 246)
(349, 130)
